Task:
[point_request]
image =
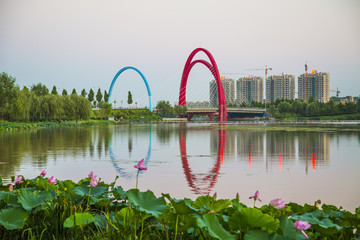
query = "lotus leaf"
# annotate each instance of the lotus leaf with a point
(215, 229)
(79, 219)
(147, 202)
(13, 218)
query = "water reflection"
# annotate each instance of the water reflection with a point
(314, 146)
(202, 185)
(123, 171)
(211, 159)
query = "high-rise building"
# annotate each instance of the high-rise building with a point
(249, 89)
(318, 86)
(229, 90)
(280, 86)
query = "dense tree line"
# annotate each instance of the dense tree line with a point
(165, 108)
(37, 104)
(311, 108)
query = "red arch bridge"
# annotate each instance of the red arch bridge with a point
(222, 110)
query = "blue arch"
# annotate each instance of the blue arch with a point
(142, 76)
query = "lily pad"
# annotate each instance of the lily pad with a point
(147, 202)
(13, 218)
(215, 229)
(79, 219)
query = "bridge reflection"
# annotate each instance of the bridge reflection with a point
(202, 185)
(123, 172)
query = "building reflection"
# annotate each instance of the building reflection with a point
(203, 185)
(250, 146)
(280, 149)
(314, 149)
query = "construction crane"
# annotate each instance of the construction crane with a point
(266, 71)
(337, 92)
(231, 73)
(261, 69)
(306, 75)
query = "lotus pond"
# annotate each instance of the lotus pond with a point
(46, 208)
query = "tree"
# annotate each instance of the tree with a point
(105, 109)
(39, 89)
(180, 109)
(164, 108)
(99, 96)
(130, 100)
(82, 107)
(106, 96)
(83, 93)
(91, 95)
(73, 92)
(7, 93)
(64, 93)
(54, 91)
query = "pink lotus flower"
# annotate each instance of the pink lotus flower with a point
(277, 203)
(52, 180)
(256, 196)
(91, 174)
(302, 225)
(93, 181)
(140, 165)
(43, 173)
(18, 179)
(11, 187)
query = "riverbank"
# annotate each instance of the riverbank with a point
(11, 126)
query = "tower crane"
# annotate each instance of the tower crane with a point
(337, 91)
(306, 75)
(266, 72)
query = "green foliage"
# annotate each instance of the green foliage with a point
(64, 92)
(79, 219)
(69, 210)
(129, 100)
(74, 91)
(13, 218)
(91, 95)
(83, 93)
(99, 96)
(54, 90)
(106, 96)
(7, 93)
(164, 108)
(105, 109)
(296, 109)
(180, 109)
(39, 89)
(213, 226)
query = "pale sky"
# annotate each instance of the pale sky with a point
(83, 43)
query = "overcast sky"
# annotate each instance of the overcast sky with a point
(83, 43)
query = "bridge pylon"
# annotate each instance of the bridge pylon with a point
(212, 66)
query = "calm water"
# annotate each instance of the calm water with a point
(292, 162)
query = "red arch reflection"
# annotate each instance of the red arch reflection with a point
(193, 180)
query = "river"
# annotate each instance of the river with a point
(298, 163)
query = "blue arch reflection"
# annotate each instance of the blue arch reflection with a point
(123, 171)
(142, 76)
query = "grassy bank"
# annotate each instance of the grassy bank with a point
(126, 115)
(341, 117)
(45, 208)
(96, 118)
(11, 126)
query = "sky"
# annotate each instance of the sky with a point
(83, 44)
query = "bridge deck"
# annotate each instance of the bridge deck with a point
(229, 110)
